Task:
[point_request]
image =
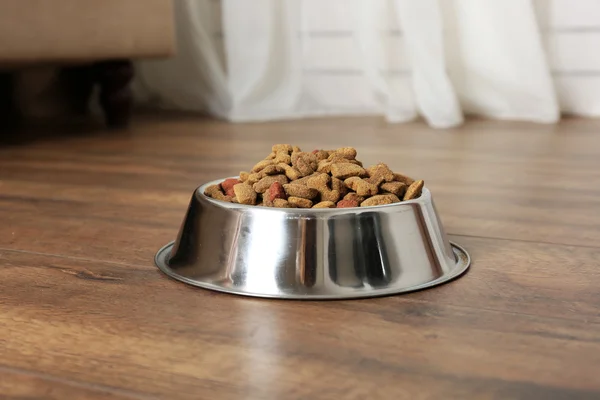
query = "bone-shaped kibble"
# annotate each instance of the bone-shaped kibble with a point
(380, 173)
(380, 200)
(361, 187)
(291, 172)
(262, 185)
(306, 163)
(321, 183)
(214, 191)
(347, 170)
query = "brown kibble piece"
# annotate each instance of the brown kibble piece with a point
(271, 170)
(340, 186)
(281, 203)
(303, 180)
(361, 187)
(347, 204)
(397, 188)
(380, 200)
(245, 194)
(414, 190)
(354, 197)
(296, 149)
(324, 204)
(261, 165)
(282, 148)
(321, 183)
(404, 179)
(348, 153)
(253, 178)
(276, 191)
(283, 158)
(244, 176)
(324, 166)
(306, 163)
(228, 184)
(321, 154)
(271, 156)
(266, 182)
(293, 189)
(347, 170)
(214, 191)
(300, 202)
(291, 172)
(380, 173)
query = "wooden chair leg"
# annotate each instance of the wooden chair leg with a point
(116, 97)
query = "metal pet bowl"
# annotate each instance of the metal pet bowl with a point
(312, 253)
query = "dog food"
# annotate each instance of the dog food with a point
(291, 178)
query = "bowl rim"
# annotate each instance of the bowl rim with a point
(199, 191)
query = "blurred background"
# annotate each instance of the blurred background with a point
(261, 60)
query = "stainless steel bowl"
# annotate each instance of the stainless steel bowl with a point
(312, 253)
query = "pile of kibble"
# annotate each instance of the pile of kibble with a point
(290, 178)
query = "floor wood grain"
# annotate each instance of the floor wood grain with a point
(85, 314)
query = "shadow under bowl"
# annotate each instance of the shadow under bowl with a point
(312, 254)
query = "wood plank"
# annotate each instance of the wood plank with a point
(20, 384)
(523, 323)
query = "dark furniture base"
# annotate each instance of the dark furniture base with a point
(112, 77)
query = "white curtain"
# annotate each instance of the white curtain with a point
(256, 60)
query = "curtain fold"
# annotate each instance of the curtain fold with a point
(436, 59)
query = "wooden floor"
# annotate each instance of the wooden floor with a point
(85, 314)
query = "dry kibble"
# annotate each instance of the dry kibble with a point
(361, 187)
(271, 170)
(306, 163)
(354, 197)
(347, 204)
(404, 179)
(414, 190)
(215, 192)
(324, 204)
(380, 173)
(380, 200)
(293, 189)
(348, 153)
(397, 188)
(282, 148)
(262, 185)
(347, 170)
(275, 191)
(245, 194)
(291, 172)
(340, 186)
(253, 178)
(281, 203)
(299, 202)
(321, 183)
(303, 180)
(291, 178)
(227, 186)
(321, 155)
